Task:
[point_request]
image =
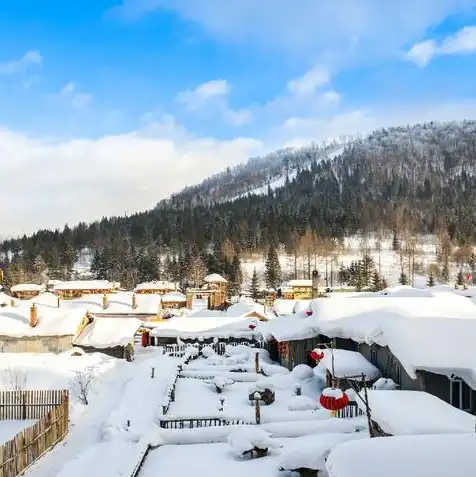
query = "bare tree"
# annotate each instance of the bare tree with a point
(82, 383)
(16, 378)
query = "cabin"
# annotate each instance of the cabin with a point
(77, 288)
(214, 292)
(39, 329)
(174, 300)
(421, 343)
(113, 336)
(300, 289)
(25, 291)
(155, 287)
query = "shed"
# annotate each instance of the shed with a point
(174, 300)
(77, 288)
(23, 291)
(156, 287)
(111, 336)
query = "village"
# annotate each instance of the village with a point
(302, 381)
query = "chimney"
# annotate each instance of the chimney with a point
(33, 315)
(315, 284)
(104, 301)
(134, 301)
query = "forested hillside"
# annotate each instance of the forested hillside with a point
(414, 179)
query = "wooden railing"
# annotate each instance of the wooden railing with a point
(193, 422)
(350, 411)
(219, 348)
(51, 408)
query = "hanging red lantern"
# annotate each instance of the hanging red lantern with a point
(251, 326)
(308, 312)
(333, 399)
(317, 354)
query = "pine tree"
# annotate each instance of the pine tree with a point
(377, 282)
(273, 269)
(197, 271)
(395, 242)
(235, 276)
(431, 279)
(445, 271)
(254, 285)
(403, 279)
(460, 278)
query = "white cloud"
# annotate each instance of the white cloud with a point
(83, 179)
(204, 93)
(28, 60)
(214, 96)
(343, 31)
(310, 81)
(462, 42)
(75, 99)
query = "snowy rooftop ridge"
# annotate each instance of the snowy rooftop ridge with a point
(156, 285)
(214, 278)
(27, 287)
(86, 285)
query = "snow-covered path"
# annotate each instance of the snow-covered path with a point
(100, 443)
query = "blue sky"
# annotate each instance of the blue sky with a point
(150, 95)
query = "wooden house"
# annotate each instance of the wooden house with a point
(155, 287)
(111, 336)
(174, 300)
(77, 288)
(301, 289)
(214, 292)
(39, 329)
(25, 291)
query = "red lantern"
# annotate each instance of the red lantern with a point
(333, 399)
(317, 355)
(308, 312)
(251, 326)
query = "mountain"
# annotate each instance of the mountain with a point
(409, 180)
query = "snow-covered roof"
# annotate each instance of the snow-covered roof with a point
(15, 322)
(27, 287)
(108, 332)
(416, 412)
(214, 278)
(174, 297)
(299, 283)
(347, 364)
(85, 285)
(291, 327)
(405, 456)
(284, 307)
(244, 308)
(156, 285)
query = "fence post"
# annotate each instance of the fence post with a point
(23, 413)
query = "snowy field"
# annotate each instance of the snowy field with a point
(9, 429)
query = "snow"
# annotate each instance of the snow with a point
(85, 285)
(245, 439)
(405, 456)
(384, 384)
(299, 283)
(290, 327)
(10, 428)
(333, 393)
(284, 307)
(214, 278)
(347, 363)
(313, 452)
(416, 412)
(108, 332)
(244, 308)
(157, 286)
(15, 322)
(303, 403)
(27, 287)
(174, 297)
(302, 372)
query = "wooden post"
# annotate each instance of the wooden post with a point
(58, 301)
(257, 363)
(257, 398)
(104, 301)
(367, 407)
(134, 301)
(152, 373)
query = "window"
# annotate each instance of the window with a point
(398, 374)
(373, 356)
(460, 394)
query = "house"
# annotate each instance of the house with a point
(435, 455)
(396, 412)
(299, 289)
(32, 329)
(24, 291)
(77, 288)
(155, 287)
(174, 300)
(422, 343)
(111, 336)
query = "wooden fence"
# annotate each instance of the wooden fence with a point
(193, 422)
(350, 411)
(51, 408)
(219, 348)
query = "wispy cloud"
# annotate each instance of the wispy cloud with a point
(214, 95)
(70, 96)
(462, 42)
(28, 60)
(310, 81)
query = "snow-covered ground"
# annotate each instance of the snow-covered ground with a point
(9, 429)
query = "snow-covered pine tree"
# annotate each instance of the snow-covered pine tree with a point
(460, 278)
(254, 285)
(376, 282)
(403, 279)
(236, 276)
(431, 279)
(273, 269)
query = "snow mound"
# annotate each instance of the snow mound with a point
(207, 351)
(303, 403)
(302, 372)
(246, 439)
(386, 384)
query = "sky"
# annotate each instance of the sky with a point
(108, 106)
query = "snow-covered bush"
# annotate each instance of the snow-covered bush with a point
(249, 440)
(221, 383)
(302, 372)
(386, 384)
(192, 351)
(208, 351)
(303, 403)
